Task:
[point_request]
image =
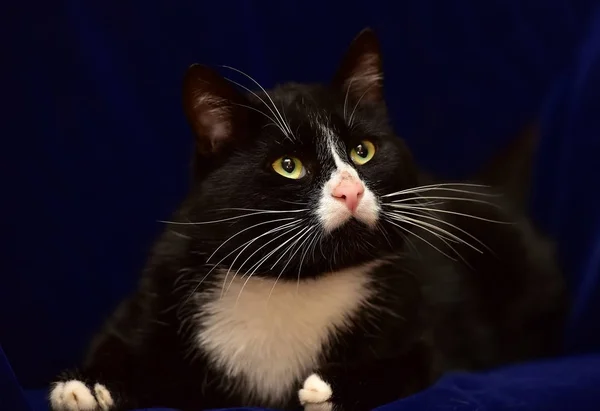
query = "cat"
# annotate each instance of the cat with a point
(312, 266)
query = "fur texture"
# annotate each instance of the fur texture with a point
(312, 265)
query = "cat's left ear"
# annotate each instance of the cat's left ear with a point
(213, 108)
(360, 74)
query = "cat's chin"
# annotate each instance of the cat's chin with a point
(354, 226)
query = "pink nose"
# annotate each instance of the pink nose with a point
(349, 190)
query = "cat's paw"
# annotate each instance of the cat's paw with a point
(314, 391)
(75, 395)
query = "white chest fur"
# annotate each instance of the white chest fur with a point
(272, 336)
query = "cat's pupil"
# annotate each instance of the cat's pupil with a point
(362, 150)
(288, 164)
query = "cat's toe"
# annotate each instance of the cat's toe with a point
(72, 395)
(314, 391)
(105, 400)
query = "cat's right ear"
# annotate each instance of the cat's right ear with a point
(212, 107)
(360, 75)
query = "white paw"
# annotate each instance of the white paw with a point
(103, 396)
(314, 391)
(72, 396)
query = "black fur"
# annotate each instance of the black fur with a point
(441, 305)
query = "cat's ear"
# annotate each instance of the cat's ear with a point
(213, 109)
(360, 74)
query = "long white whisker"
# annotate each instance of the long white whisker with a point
(421, 238)
(293, 202)
(417, 224)
(303, 232)
(470, 200)
(223, 259)
(278, 122)
(289, 259)
(248, 244)
(404, 217)
(381, 229)
(222, 220)
(246, 229)
(257, 250)
(312, 238)
(297, 210)
(442, 186)
(257, 265)
(346, 97)
(314, 246)
(264, 91)
(435, 210)
(285, 121)
(442, 238)
(357, 103)
(439, 220)
(274, 122)
(262, 260)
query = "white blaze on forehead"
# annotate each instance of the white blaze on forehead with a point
(331, 212)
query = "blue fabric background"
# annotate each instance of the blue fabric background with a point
(95, 149)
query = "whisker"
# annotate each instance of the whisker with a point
(298, 210)
(274, 122)
(258, 266)
(357, 103)
(264, 91)
(293, 202)
(442, 186)
(439, 220)
(312, 238)
(223, 259)
(412, 222)
(278, 122)
(404, 217)
(421, 238)
(222, 220)
(277, 229)
(256, 251)
(381, 229)
(246, 229)
(442, 238)
(289, 260)
(470, 200)
(303, 232)
(285, 120)
(346, 97)
(314, 246)
(435, 210)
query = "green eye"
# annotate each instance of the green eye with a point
(363, 152)
(289, 167)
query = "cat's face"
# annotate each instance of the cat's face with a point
(293, 182)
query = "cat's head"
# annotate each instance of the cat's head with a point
(293, 180)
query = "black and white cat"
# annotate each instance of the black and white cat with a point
(311, 265)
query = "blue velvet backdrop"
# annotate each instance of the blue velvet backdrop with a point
(95, 146)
